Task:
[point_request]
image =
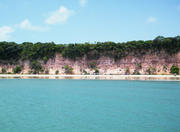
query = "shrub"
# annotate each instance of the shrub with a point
(174, 70)
(36, 67)
(68, 69)
(17, 69)
(30, 72)
(139, 66)
(92, 65)
(85, 72)
(151, 70)
(47, 71)
(45, 59)
(96, 71)
(165, 68)
(136, 72)
(3, 70)
(127, 72)
(57, 72)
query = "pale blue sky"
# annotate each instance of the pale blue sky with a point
(71, 21)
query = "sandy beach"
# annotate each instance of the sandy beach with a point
(94, 77)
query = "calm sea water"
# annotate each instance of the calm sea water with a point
(36, 105)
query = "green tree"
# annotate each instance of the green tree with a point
(3, 70)
(11, 52)
(174, 70)
(17, 69)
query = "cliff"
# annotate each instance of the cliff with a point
(145, 64)
(158, 56)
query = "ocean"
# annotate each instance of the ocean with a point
(45, 105)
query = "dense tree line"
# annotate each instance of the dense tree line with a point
(12, 52)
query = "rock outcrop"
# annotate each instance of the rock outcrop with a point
(146, 64)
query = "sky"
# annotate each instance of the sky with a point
(79, 21)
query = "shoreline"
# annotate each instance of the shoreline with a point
(94, 77)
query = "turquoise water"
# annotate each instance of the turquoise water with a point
(36, 105)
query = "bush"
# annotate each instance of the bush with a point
(174, 70)
(30, 72)
(45, 59)
(165, 68)
(149, 71)
(85, 72)
(139, 66)
(57, 72)
(96, 71)
(92, 65)
(3, 70)
(136, 72)
(17, 69)
(36, 67)
(47, 71)
(127, 72)
(68, 69)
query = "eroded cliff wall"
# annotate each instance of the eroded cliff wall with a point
(147, 64)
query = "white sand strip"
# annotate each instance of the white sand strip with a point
(100, 77)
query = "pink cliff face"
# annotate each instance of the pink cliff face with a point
(147, 64)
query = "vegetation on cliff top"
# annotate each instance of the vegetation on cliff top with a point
(12, 52)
